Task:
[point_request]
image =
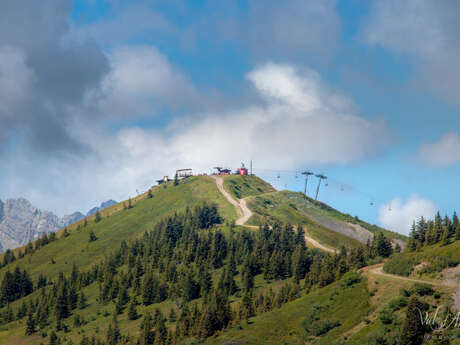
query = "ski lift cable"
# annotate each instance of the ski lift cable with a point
(343, 186)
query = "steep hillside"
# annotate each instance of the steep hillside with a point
(171, 266)
(119, 224)
(324, 223)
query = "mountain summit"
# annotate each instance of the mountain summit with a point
(21, 222)
(222, 258)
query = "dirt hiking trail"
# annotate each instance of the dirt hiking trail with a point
(244, 213)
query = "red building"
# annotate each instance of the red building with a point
(243, 170)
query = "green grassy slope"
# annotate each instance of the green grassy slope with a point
(278, 206)
(287, 324)
(434, 258)
(295, 208)
(355, 310)
(121, 225)
(244, 186)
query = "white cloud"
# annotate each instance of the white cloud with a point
(441, 153)
(301, 122)
(141, 80)
(398, 215)
(426, 31)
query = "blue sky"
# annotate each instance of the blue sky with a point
(363, 91)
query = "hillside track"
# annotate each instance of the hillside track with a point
(378, 270)
(245, 213)
(242, 209)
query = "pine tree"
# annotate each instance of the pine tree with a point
(119, 306)
(62, 307)
(445, 236)
(147, 336)
(247, 305)
(132, 311)
(81, 300)
(148, 293)
(73, 297)
(97, 217)
(172, 315)
(150, 195)
(113, 332)
(30, 324)
(383, 245)
(53, 338)
(205, 281)
(92, 236)
(413, 330)
(176, 180)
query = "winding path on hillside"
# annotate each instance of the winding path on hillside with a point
(378, 270)
(451, 283)
(244, 213)
(242, 209)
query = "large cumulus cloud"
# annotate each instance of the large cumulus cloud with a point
(42, 74)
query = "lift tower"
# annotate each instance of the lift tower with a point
(320, 178)
(306, 173)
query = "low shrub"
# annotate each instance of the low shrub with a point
(400, 264)
(350, 278)
(422, 289)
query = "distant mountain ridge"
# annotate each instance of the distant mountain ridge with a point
(21, 222)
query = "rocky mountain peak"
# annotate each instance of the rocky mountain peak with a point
(21, 222)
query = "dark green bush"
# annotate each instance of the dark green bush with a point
(321, 327)
(422, 289)
(397, 303)
(400, 264)
(350, 279)
(386, 316)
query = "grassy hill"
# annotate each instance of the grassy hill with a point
(155, 232)
(119, 224)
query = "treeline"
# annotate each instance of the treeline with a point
(428, 232)
(176, 261)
